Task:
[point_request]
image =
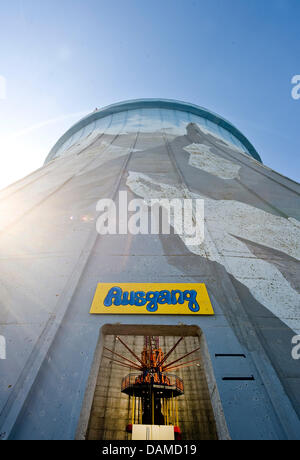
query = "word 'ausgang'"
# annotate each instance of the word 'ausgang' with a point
(152, 299)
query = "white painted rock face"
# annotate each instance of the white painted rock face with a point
(201, 157)
(225, 219)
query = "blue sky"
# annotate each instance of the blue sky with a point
(61, 59)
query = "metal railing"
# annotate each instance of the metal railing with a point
(170, 381)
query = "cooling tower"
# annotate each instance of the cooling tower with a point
(57, 381)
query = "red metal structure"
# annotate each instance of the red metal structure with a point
(154, 390)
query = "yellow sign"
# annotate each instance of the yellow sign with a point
(151, 298)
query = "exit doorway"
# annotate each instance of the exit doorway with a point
(116, 403)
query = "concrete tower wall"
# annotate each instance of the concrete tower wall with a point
(51, 259)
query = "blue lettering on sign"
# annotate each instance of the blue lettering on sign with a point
(117, 297)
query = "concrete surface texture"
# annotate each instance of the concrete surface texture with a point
(51, 259)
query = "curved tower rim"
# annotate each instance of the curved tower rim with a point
(150, 104)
